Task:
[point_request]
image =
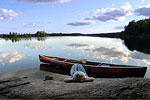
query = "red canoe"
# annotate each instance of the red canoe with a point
(96, 69)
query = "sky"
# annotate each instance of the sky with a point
(70, 16)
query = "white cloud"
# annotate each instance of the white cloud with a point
(82, 46)
(113, 14)
(143, 11)
(34, 46)
(45, 1)
(10, 57)
(6, 14)
(127, 6)
(110, 53)
(98, 11)
(31, 25)
(140, 56)
(37, 46)
(81, 23)
(35, 24)
(5, 54)
(118, 14)
(15, 58)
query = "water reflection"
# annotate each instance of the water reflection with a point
(35, 46)
(113, 54)
(10, 57)
(82, 46)
(141, 45)
(116, 54)
(106, 50)
(110, 53)
(13, 40)
(140, 57)
(41, 38)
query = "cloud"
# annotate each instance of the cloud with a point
(143, 11)
(113, 14)
(31, 25)
(10, 57)
(127, 6)
(35, 24)
(6, 14)
(15, 58)
(119, 27)
(118, 14)
(34, 46)
(37, 46)
(45, 1)
(110, 53)
(82, 46)
(5, 54)
(81, 23)
(98, 11)
(117, 54)
(140, 56)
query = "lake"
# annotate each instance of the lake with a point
(23, 53)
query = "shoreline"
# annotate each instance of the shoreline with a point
(44, 35)
(31, 84)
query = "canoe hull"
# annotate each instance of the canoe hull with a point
(95, 71)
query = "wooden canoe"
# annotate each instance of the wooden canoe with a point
(96, 69)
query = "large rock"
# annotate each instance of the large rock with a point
(31, 84)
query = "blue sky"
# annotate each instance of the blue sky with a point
(84, 16)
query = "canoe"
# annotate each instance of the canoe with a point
(95, 69)
(51, 68)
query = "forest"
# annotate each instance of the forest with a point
(137, 29)
(25, 35)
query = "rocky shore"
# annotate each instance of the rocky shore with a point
(31, 84)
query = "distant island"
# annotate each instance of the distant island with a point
(135, 29)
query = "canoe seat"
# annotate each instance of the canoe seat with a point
(53, 58)
(83, 61)
(99, 64)
(66, 60)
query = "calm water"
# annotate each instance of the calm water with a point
(21, 54)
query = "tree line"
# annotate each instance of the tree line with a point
(139, 29)
(25, 35)
(37, 34)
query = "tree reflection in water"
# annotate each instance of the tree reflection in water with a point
(13, 40)
(141, 45)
